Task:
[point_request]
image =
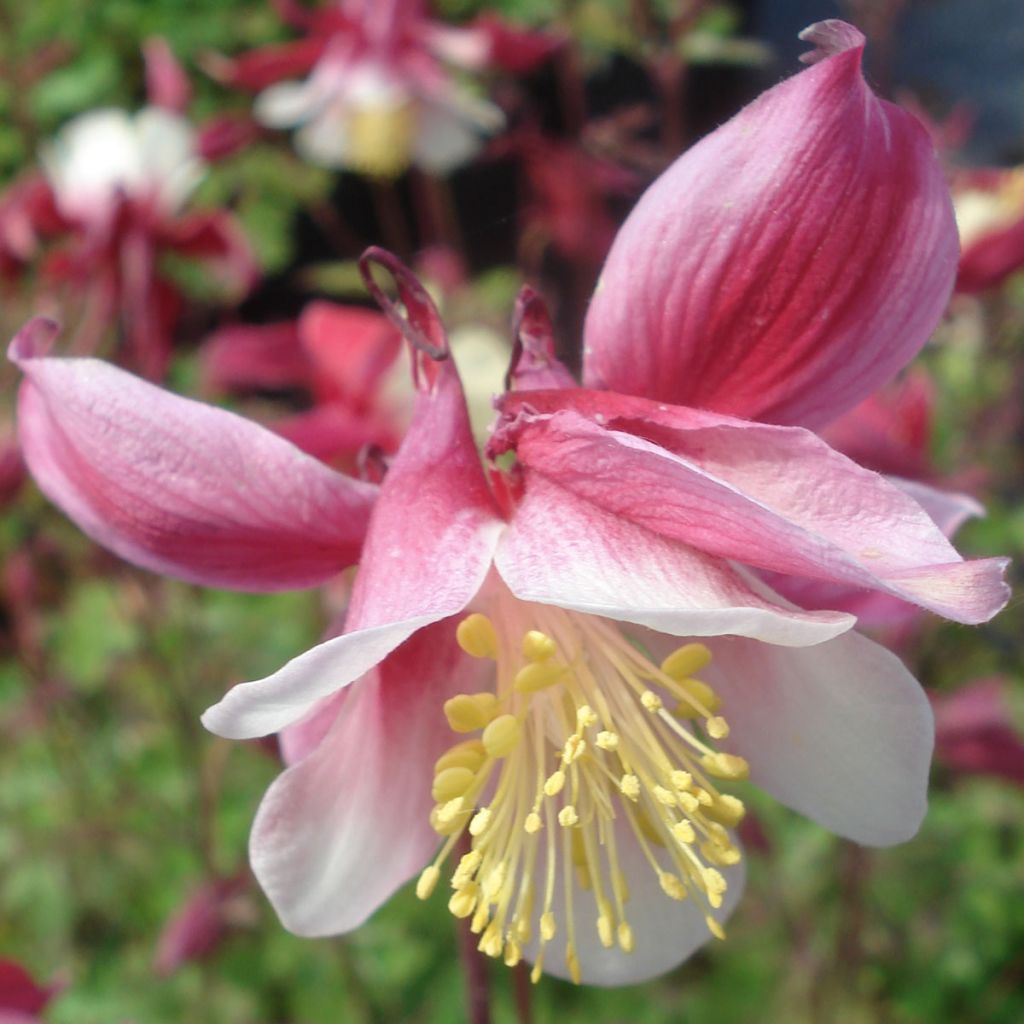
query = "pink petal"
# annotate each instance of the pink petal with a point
(179, 487)
(257, 69)
(990, 260)
(338, 832)
(666, 932)
(427, 552)
(167, 85)
(218, 238)
(246, 357)
(841, 732)
(774, 497)
(788, 264)
(224, 135)
(534, 363)
(560, 549)
(19, 991)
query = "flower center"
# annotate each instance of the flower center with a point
(585, 744)
(380, 137)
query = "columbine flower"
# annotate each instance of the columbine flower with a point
(378, 96)
(990, 216)
(566, 661)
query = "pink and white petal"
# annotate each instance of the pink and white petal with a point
(841, 732)
(562, 550)
(774, 497)
(342, 829)
(666, 932)
(167, 85)
(179, 487)
(948, 510)
(788, 264)
(428, 550)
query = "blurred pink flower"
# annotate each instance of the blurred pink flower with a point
(773, 278)
(990, 216)
(378, 96)
(974, 734)
(200, 924)
(21, 999)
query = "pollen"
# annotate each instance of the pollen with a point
(582, 747)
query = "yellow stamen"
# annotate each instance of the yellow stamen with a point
(477, 636)
(538, 646)
(686, 660)
(501, 736)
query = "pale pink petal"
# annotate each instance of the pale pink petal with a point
(841, 732)
(949, 510)
(339, 831)
(773, 497)
(167, 85)
(560, 549)
(427, 552)
(788, 264)
(666, 932)
(179, 487)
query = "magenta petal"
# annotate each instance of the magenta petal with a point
(773, 497)
(560, 549)
(427, 552)
(179, 487)
(788, 264)
(338, 832)
(167, 85)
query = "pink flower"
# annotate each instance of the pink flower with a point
(21, 999)
(378, 96)
(584, 613)
(990, 216)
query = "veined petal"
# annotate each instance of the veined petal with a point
(563, 550)
(343, 828)
(428, 550)
(841, 732)
(179, 487)
(788, 264)
(774, 497)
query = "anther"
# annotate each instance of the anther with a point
(629, 786)
(451, 783)
(681, 780)
(468, 754)
(538, 646)
(480, 821)
(427, 881)
(683, 831)
(727, 810)
(586, 717)
(501, 736)
(538, 675)
(664, 796)
(567, 816)
(574, 748)
(717, 727)
(650, 700)
(547, 926)
(625, 937)
(726, 766)
(714, 927)
(698, 698)
(554, 783)
(607, 740)
(467, 712)
(573, 963)
(463, 902)
(533, 824)
(672, 886)
(477, 636)
(605, 932)
(686, 660)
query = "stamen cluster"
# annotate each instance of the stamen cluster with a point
(584, 745)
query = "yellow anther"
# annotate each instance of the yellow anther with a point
(480, 821)
(689, 803)
(501, 736)
(477, 636)
(714, 881)
(608, 740)
(682, 780)
(467, 712)
(450, 824)
(451, 783)
(554, 783)
(625, 937)
(481, 916)
(664, 796)
(513, 953)
(522, 929)
(537, 971)
(686, 660)
(701, 695)
(494, 881)
(672, 886)
(586, 717)
(726, 766)
(629, 786)
(567, 816)
(533, 823)
(650, 700)
(704, 798)
(451, 810)
(605, 931)
(726, 810)
(574, 748)
(722, 855)
(538, 675)
(468, 864)
(538, 646)
(463, 902)
(714, 927)
(467, 754)
(547, 926)
(717, 727)
(573, 963)
(427, 881)
(491, 943)
(683, 831)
